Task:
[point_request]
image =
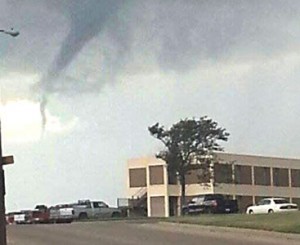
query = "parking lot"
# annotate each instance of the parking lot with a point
(135, 233)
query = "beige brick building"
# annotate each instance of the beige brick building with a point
(247, 179)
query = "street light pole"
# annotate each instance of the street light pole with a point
(10, 32)
(3, 240)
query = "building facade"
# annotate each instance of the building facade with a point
(245, 178)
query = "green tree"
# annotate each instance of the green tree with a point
(189, 144)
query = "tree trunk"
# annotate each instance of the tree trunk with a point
(182, 201)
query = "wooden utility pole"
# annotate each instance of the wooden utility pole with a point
(3, 240)
(3, 161)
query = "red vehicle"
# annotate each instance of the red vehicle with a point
(40, 214)
(10, 218)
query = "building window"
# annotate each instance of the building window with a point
(137, 177)
(223, 173)
(262, 176)
(197, 176)
(296, 200)
(156, 175)
(243, 175)
(280, 177)
(295, 177)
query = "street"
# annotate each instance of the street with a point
(136, 233)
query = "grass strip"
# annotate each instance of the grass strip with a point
(279, 222)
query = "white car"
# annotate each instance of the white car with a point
(272, 205)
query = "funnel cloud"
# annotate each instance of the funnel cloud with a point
(88, 17)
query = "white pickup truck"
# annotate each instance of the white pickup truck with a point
(94, 209)
(61, 214)
(22, 217)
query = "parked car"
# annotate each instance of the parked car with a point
(10, 218)
(23, 217)
(210, 203)
(40, 214)
(63, 213)
(94, 209)
(272, 205)
(43, 214)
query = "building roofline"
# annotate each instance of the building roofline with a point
(256, 155)
(224, 153)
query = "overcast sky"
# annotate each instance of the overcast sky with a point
(109, 69)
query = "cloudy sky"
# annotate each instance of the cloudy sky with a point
(106, 70)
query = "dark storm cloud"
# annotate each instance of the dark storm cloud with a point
(177, 34)
(193, 31)
(87, 19)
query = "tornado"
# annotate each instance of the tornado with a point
(88, 18)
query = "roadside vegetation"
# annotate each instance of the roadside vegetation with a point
(283, 222)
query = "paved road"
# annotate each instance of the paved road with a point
(135, 233)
